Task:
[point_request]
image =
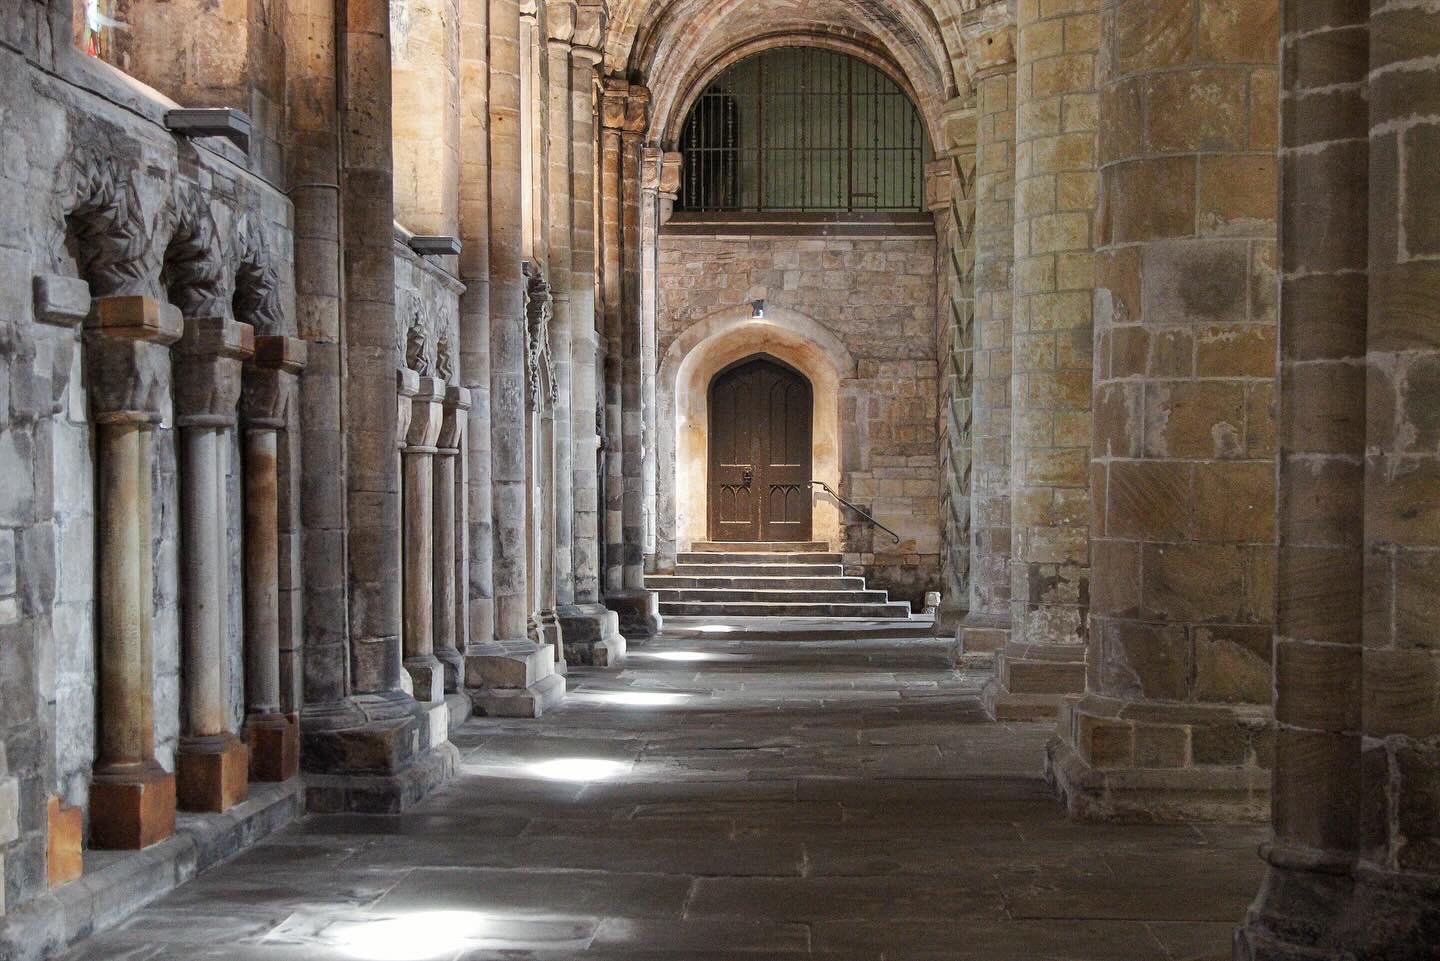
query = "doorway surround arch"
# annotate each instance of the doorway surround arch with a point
(691, 361)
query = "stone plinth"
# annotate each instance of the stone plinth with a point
(638, 611)
(212, 773)
(592, 635)
(133, 808)
(64, 842)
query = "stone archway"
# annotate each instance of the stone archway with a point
(692, 360)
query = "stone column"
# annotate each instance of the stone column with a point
(132, 798)
(638, 608)
(427, 412)
(986, 627)
(1397, 909)
(651, 164)
(507, 328)
(950, 194)
(612, 119)
(477, 584)
(1055, 162)
(1320, 577)
(372, 351)
(592, 632)
(583, 372)
(212, 765)
(1176, 720)
(269, 382)
(449, 635)
(560, 22)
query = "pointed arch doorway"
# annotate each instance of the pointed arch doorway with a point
(761, 415)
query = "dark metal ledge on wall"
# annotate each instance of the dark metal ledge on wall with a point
(801, 224)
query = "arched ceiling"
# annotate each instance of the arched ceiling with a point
(674, 46)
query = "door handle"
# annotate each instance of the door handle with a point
(747, 477)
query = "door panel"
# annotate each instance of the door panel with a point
(760, 453)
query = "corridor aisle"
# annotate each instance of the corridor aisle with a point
(775, 791)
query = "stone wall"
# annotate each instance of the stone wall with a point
(877, 295)
(95, 191)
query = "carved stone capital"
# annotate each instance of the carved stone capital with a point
(614, 102)
(211, 356)
(957, 122)
(672, 164)
(637, 110)
(407, 385)
(989, 48)
(426, 413)
(592, 21)
(560, 20)
(457, 402)
(265, 396)
(127, 356)
(650, 161)
(937, 185)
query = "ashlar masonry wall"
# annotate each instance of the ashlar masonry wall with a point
(878, 296)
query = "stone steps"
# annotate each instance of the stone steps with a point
(768, 579)
(712, 594)
(896, 609)
(756, 570)
(758, 557)
(767, 547)
(797, 582)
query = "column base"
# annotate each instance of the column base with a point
(1318, 905)
(64, 843)
(592, 635)
(638, 610)
(454, 664)
(427, 678)
(375, 753)
(274, 742)
(1031, 680)
(1122, 761)
(513, 678)
(132, 809)
(212, 774)
(978, 639)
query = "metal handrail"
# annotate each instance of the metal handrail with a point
(862, 512)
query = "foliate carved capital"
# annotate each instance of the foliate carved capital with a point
(211, 355)
(426, 412)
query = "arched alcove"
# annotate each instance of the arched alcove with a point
(692, 360)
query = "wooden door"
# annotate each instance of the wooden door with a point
(761, 413)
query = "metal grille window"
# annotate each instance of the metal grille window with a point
(803, 129)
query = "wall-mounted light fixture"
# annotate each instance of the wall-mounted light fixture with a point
(435, 245)
(227, 122)
(757, 310)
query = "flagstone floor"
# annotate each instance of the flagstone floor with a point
(777, 791)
